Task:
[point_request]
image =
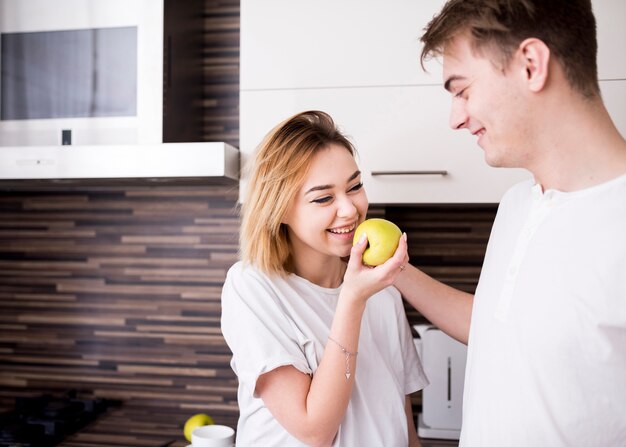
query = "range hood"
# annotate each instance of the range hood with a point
(207, 162)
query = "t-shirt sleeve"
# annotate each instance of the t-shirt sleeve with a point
(414, 376)
(256, 327)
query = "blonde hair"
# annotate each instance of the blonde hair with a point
(279, 169)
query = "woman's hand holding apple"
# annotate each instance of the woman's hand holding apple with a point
(361, 281)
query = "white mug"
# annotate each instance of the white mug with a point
(213, 436)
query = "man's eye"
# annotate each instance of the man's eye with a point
(460, 93)
(322, 199)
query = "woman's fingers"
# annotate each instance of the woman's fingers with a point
(369, 280)
(400, 256)
(356, 254)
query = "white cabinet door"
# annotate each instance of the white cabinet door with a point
(334, 43)
(614, 95)
(359, 61)
(611, 26)
(400, 131)
(339, 43)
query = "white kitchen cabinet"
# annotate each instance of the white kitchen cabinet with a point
(614, 95)
(611, 26)
(330, 43)
(359, 61)
(401, 131)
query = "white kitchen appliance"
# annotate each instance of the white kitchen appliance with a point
(100, 72)
(105, 89)
(444, 360)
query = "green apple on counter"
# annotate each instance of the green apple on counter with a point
(383, 237)
(195, 421)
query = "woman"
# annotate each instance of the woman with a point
(321, 346)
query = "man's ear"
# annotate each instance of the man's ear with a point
(535, 61)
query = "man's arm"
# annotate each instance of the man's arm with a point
(447, 308)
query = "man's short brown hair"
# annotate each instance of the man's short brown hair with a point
(567, 27)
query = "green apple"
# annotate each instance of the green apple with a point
(382, 240)
(195, 421)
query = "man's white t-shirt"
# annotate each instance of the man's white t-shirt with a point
(547, 348)
(270, 322)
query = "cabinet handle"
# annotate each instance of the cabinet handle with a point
(376, 173)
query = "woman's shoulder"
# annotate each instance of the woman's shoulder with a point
(244, 271)
(246, 281)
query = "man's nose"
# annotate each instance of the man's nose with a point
(458, 115)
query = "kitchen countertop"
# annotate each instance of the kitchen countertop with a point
(141, 426)
(133, 426)
(439, 443)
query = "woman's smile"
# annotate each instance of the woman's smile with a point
(346, 232)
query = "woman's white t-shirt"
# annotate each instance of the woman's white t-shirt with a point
(270, 322)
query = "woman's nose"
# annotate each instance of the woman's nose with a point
(458, 115)
(345, 207)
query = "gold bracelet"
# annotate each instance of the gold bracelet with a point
(348, 355)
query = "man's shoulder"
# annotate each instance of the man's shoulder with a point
(517, 193)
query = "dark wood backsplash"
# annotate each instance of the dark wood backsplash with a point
(115, 290)
(447, 242)
(221, 71)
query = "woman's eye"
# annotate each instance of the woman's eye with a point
(322, 199)
(357, 187)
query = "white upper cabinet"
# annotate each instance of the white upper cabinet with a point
(341, 43)
(334, 43)
(406, 152)
(611, 25)
(358, 60)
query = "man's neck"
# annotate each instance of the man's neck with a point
(580, 149)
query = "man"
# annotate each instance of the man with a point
(546, 329)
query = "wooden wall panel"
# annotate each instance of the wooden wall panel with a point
(446, 241)
(221, 69)
(117, 292)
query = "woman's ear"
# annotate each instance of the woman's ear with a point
(535, 60)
